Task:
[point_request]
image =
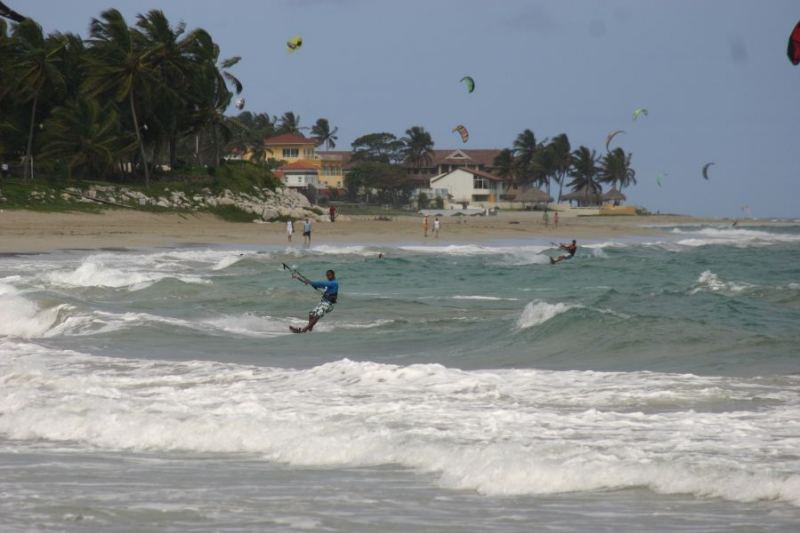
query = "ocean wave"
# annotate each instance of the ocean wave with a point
(486, 298)
(711, 282)
(93, 273)
(732, 237)
(494, 432)
(538, 312)
(21, 317)
(505, 255)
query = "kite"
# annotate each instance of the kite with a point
(660, 177)
(611, 137)
(294, 43)
(240, 104)
(469, 83)
(794, 45)
(463, 132)
(638, 112)
(705, 170)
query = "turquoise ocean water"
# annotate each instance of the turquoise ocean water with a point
(647, 384)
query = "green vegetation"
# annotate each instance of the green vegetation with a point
(543, 163)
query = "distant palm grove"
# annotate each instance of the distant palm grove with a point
(133, 101)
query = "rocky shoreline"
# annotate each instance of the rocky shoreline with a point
(264, 204)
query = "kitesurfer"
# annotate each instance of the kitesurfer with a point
(569, 248)
(325, 305)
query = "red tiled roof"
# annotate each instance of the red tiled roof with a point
(300, 164)
(289, 138)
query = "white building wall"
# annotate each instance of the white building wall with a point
(459, 185)
(301, 180)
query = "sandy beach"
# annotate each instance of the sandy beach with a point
(30, 231)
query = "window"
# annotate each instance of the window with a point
(290, 152)
(480, 183)
(308, 152)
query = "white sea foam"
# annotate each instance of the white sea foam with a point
(487, 298)
(494, 432)
(21, 317)
(731, 236)
(94, 273)
(507, 255)
(709, 281)
(538, 312)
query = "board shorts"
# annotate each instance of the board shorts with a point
(323, 308)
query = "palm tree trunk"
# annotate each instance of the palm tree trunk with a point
(560, 188)
(28, 170)
(139, 139)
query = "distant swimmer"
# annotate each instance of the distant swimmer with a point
(327, 302)
(569, 248)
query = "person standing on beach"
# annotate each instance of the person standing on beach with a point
(307, 232)
(332, 213)
(289, 229)
(569, 248)
(555, 220)
(425, 225)
(327, 302)
(436, 227)
(545, 218)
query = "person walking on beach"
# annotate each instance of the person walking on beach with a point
(425, 225)
(555, 220)
(332, 213)
(546, 219)
(437, 225)
(569, 248)
(289, 229)
(325, 305)
(307, 232)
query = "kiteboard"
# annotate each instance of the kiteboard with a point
(295, 329)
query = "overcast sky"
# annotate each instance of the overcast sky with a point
(713, 74)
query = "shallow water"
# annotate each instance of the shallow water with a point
(641, 385)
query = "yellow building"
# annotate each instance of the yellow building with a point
(291, 148)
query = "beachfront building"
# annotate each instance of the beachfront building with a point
(443, 161)
(303, 164)
(469, 186)
(613, 197)
(300, 174)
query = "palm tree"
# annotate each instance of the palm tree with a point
(322, 131)
(36, 64)
(119, 65)
(504, 164)
(209, 89)
(584, 171)
(417, 147)
(542, 168)
(562, 160)
(615, 168)
(524, 149)
(87, 137)
(171, 59)
(289, 123)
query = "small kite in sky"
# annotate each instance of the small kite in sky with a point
(611, 137)
(705, 169)
(660, 177)
(794, 45)
(294, 43)
(638, 112)
(463, 132)
(469, 83)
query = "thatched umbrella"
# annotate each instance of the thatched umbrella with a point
(533, 196)
(584, 196)
(614, 196)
